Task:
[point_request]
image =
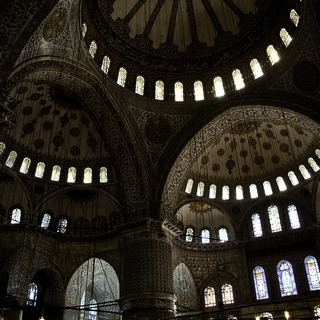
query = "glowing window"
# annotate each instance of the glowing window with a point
(256, 68)
(103, 175)
(218, 87)
(122, 76)
(16, 216)
(253, 191)
(93, 313)
(227, 294)
(293, 217)
(267, 188)
(105, 65)
(272, 54)
(25, 165)
(2, 147)
(317, 152)
(93, 48)
(313, 274)
(285, 37)
(32, 294)
(11, 159)
(286, 279)
(294, 17)
(305, 173)
(189, 235)
(55, 175)
(260, 283)
(200, 189)
(178, 91)
(293, 178)
(212, 191)
(239, 192)
(189, 186)
(225, 193)
(87, 175)
(84, 29)
(209, 297)
(238, 79)
(45, 222)
(140, 85)
(62, 226)
(316, 311)
(281, 184)
(313, 164)
(159, 90)
(266, 315)
(223, 235)
(40, 170)
(72, 173)
(205, 236)
(198, 91)
(274, 219)
(256, 225)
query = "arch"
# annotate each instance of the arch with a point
(253, 191)
(227, 294)
(200, 189)
(274, 219)
(209, 297)
(45, 222)
(122, 77)
(11, 159)
(32, 294)
(105, 65)
(140, 85)
(295, 18)
(239, 192)
(62, 225)
(256, 68)
(93, 48)
(223, 234)
(159, 90)
(260, 283)
(267, 188)
(281, 184)
(40, 170)
(218, 87)
(293, 217)
(313, 273)
(285, 37)
(293, 178)
(213, 191)
(198, 90)
(272, 54)
(103, 175)
(178, 91)
(72, 174)
(313, 164)
(304, 172)
(287, 282)
(2, 147)
(189, 186)
(25, 165)
(55, 175)
(225, 193)
(238, 79)
(205, 236)
(16, 216)
(87, 175)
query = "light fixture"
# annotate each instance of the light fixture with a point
(257, 317)
(41, 318)
(286, 314)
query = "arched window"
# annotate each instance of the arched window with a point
(189, 186)
(293, 217)
(256, 225)
(105, 65)
(238, 79)
(317, 152)
(55, 175)
(287, 282)
(293, 178)
(212, 191)
(40, 170)
(205, 236)
(178, 91)
(189, 235)
(225, 193)
(84, 29)
(200, 189)
(313, 164)
(266, 315)
(223, 235)
(198, 91)
(87, 175)
(316, 311)
(93, 313)
(218, 87)
(45, 222)
(313, 274)
(281, 184)
(227, 294)
(11, 159)
(294, 17)
(15, 216)
(239, 192)
(256, 68)
(2, 147)
(159, 90)
(62, 226)
(285, 37)
(32, 294)
(267, 188)
(272, 54)
(305, 173)
(25, 165)
(103, 175)
(274, 219)
(72, 173)
(140, 85)
(209, 297)
(122, 76)
(93, 48)
(253, 191)
(260, 283)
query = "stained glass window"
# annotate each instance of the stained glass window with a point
(313, 274)
(272, 54)
(178, 91)
(313, 164)
(266, 315)
(105, 65)
(11, 159)
(227, 294)
(281, 184)
(209, 297)
(189, 186)
(159, 90)
(218, 87)
(198, 91)
(16, 216)
(225, 193)
(253, 191)
(93, 48)
(285, 37)
(260, 283)
(93, 313)
(223, 235)
(72, 172)
(286, 279)
(316, 311)
(87, 175)
(62, 226)
(205, 236)
(267, 188)
(305, 173)
(256, 68)
(2, 147)
(122, 76)
(294, 17)
(55, 175)
(293, 217)
(293, 178)
(40, 170)
(84, 29)
(103, 175)
(140, 85)
(239, 192)
(256, 225)
(32, 294)
(274, 219)
(25, 165)
(189, 235)
(200, 189)
(212, 191)
(238, 79)
(45, 221)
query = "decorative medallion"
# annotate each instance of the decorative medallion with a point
(269, 133)
(259, 135)
(40, 88)
(284, 132)
(298, 143)
(58, 141)
(74, 116)
(226, 139)
(92, 142)
(298, 130)
(64, 120)
(242, 140)
(75, 132)
(252, 142)
(259, 160)
(266, 146)
(216, 167)
(244, 127)
(42, 102)
(220, 152)
(38, 144)
(204, 160)
(27, 110)
(28, 128)
(34, 96)
(233, 144)
(85, 120)
(306, 76)
(22, 90)
(45, 110)
(284, 147)
(47, 125)
(230, 164)
(245, 168)
(55, 24)
(243, 153)
(75, 151)
(157, 129)
(275, 159)
(56, 112)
